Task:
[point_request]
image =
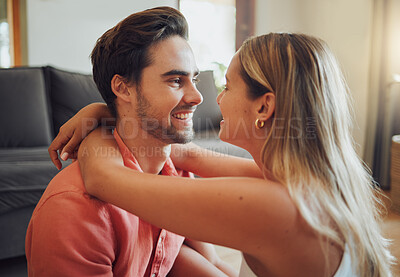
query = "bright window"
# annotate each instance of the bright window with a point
(5, 56)
(211, 33)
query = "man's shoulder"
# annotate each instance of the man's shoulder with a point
(66, 194)
(66, 187)
(68, 179)
(71, 229)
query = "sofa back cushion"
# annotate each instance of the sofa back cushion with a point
(207, 115)
(69, 92)
(24, 113)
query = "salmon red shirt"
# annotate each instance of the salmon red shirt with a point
(74, 234)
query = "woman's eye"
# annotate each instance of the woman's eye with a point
(195, 81)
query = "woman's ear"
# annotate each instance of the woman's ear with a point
(120, 88)
(266, 106)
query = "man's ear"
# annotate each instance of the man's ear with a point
(120, 88)
(266, 106)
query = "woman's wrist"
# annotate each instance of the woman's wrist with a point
(99, 110)
(99, 113)
(184, 154)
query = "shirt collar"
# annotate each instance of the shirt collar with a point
(131, 162)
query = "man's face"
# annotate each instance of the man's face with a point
(167, 96)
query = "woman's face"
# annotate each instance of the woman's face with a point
(237, 110)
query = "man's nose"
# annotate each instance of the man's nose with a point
(193, 96)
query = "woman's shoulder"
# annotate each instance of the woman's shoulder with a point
(287, 237)
(274, 214)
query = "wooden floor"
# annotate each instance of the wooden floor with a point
(391, 230)
(390, 227)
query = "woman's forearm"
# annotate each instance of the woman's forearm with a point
(208, 251)
(191, 263)
(100, 113)
(207, 163)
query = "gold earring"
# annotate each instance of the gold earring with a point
(259, 124)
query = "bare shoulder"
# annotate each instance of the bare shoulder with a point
(287, 243)
(271, 212)
(274, 199)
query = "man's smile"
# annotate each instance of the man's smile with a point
(183, 115)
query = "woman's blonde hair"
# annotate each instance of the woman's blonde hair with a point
(309, 148)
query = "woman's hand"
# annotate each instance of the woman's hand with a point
(75, 130)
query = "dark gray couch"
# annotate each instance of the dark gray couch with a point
(35, 102)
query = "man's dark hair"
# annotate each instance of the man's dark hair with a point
(124, 49)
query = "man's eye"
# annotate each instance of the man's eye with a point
(195, 81)
(175, 81)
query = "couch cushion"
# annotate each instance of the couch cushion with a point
(24, 112)
(207, 115)
(12, 235)
(69, 92)
(24, 175)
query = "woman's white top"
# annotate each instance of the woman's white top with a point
(345, 268)
(245, 270)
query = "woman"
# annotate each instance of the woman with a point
(315, 212)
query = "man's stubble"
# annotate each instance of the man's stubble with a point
(152, 122)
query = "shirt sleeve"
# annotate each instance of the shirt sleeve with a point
(71, 234)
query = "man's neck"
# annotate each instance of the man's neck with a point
(150, 153)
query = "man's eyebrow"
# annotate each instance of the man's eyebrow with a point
(179, 72)
(175, 72)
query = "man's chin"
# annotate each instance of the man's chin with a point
(174, 136)
(184, 137)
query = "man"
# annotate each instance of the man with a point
(145, 71)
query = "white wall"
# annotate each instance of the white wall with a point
(345, 25)
(63, 32)
(394, 39)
